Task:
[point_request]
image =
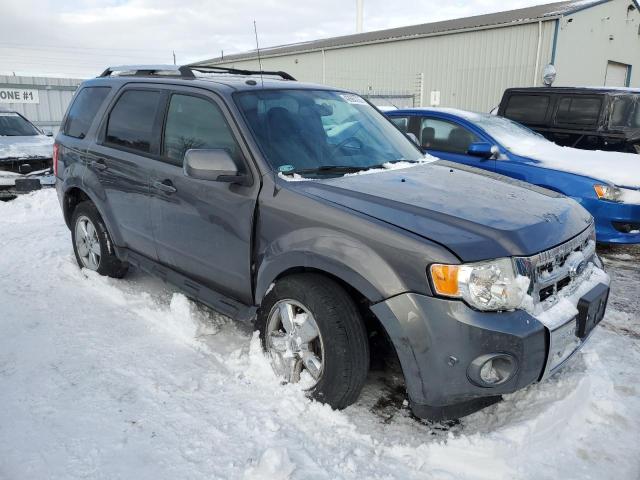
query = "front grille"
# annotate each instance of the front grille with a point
(25, 165)
(555, 269)
(626, 227)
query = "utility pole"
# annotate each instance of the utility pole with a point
(174, 56)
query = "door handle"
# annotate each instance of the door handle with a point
(166, 186)
(99, 164)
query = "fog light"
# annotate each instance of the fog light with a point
(492, 369)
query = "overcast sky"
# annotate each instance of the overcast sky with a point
(78, 38)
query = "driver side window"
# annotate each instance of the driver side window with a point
(194, 122)
(445, 136)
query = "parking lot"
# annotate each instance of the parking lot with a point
(103, 378)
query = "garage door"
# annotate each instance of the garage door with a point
(616, 75)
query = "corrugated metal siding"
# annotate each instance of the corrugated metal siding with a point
(470, 69)
(587, 40)
(55, 94)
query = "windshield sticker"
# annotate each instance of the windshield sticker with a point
(351, 98)
(286, 168)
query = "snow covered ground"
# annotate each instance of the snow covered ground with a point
(107, 379)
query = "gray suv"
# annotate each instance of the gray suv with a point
(303, 208)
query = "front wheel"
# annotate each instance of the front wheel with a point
(311, 329)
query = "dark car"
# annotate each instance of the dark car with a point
(303, 208)
(589, 118)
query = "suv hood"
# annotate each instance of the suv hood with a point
(32, 146)
(478, 215)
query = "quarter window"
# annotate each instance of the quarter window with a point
(196, 123)
(578, 110)
(83, 110)
(527, 108)
(402, 123)
(445, 136)
(132, 119)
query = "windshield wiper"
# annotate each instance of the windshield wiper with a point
(329, 169)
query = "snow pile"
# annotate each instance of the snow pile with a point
(37, 146)
(103, 378)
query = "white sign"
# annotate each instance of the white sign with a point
(18, 95)
(435, 98)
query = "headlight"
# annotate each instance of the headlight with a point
(491, 285)
(608, 192)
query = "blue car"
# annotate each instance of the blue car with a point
(607, 184)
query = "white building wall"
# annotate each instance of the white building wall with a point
(470, 69)
(588, 39)
(54, 95)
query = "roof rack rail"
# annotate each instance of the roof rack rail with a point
(239, 71)
(186, 71)
(145, 70)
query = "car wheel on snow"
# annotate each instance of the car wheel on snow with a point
(92, 244)
(310, 328)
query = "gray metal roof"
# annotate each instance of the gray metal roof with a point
(536, 13)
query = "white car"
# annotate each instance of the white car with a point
(25, 155)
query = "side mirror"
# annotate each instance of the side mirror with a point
(212, 164)
(48, 133)
(483, 150)
(412, 137)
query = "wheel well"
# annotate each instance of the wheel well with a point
(382, 351)
(72, 198)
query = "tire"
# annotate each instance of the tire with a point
(342, 336)
(100, 255)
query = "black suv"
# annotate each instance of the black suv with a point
(588, 118)
(304, 208)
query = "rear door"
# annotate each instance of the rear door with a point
(450, 140)
(123, 159)
(203, 229)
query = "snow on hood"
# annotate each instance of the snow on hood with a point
(26, 147)
(385, 167)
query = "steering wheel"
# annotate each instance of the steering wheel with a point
(346, 141)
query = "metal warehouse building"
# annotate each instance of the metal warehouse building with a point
(42, 100)
(468, 62)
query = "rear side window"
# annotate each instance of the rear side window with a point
(194, 122)
(132, 120)
(527, 108)
(578, 110)
(83, 111)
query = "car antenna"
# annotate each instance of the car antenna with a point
(255, 30)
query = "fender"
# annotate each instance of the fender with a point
(87, 182)
(335, 253)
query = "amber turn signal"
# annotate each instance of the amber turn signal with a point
(445, 279)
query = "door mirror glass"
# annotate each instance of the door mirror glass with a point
(211, 164)
(482, 150)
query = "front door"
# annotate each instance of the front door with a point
(450, 141)
(203, 229)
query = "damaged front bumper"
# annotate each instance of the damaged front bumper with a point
(13, 184)
(443, 345)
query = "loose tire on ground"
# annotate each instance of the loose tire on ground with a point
(342, 334)
(106, 262)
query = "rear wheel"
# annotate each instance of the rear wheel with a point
(91, 242)
(311, 330)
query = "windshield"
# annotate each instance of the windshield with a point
(625, 112)
(13, 125)
(322, 132)
(506, 132)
